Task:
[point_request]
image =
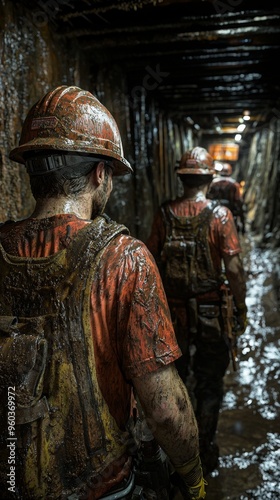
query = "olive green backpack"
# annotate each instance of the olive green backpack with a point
(186, 265)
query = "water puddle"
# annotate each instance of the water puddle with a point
(249, 426)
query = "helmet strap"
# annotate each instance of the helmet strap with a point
(42, 165)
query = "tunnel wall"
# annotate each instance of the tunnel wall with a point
(152, 142)
(31, 64)
(260, 168)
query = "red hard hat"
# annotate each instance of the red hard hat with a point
(196, 161)
(72, 120)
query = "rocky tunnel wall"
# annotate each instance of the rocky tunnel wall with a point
(259, 166)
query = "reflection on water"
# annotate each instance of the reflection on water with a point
(249, 426)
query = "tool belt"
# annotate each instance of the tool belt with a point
(204, 320)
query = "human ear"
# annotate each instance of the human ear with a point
(100, 172)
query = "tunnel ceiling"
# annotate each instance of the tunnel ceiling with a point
(206, 61)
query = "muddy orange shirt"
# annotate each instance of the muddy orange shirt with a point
(223, 237)
(225, 188)
(131, 326)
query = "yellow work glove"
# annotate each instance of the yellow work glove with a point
(198, 492)
(192, 478)
(241, 319)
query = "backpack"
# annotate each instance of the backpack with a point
(56, 432)
(186, 265)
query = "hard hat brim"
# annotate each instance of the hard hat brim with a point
(192, 171)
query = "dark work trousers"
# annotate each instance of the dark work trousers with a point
(203, 364)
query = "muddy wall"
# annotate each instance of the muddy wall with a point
(31, 64)
(152, 141)
(260, 168)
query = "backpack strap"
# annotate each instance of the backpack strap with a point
(93, 238)
(98, 234)
(173, 221)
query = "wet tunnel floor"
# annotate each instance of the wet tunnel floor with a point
(249, 426)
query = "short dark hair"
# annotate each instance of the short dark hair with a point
(58, 183)
(195, 180)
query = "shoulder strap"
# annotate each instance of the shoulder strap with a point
(173, 221)
(169, 218)
(95, 236)
(207, 213)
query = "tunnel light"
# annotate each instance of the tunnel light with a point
(246, 115)
(218, 166)
(241, 127)
(189, 120)
(238, 137)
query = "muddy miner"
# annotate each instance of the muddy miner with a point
(87, 345)
(196, 245)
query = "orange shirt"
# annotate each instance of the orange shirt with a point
(131, 326)
(226, 188)
(223, 237)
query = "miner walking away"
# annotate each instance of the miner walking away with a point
(228, 191)
(195, 243)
